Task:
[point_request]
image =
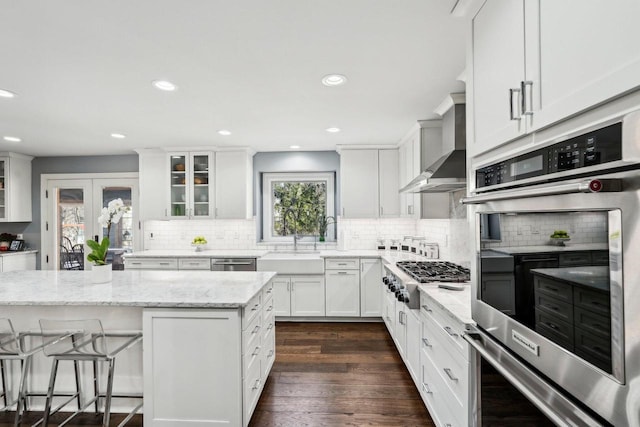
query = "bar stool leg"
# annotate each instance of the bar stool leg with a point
(107, 400)
(96, 386)
(76, 369)
(52, 382)
(25, 364)
(4, 383)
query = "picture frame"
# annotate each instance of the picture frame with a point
(16, 245)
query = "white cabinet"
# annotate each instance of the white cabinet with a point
(370, 280)
(18, 261)
(15, 187)
(412, 356)
(409, 159)
(369, 183)
(388, 309)
(342, 287)
(400, 328)
(359, 183)
(234, 185)
(538, 62)
(190, 185)
(152, 165)
(302, 296)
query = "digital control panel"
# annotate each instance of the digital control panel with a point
(600, 146)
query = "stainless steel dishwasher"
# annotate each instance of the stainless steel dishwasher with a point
(233, 264)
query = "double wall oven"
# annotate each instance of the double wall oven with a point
(556, 292)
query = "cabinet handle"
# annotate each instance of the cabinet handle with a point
(381, 211)
(514, 106)
(270, 327)
(216, 214)
(450, 331)
(256, 351)
(449, 374)
(426, 389)
(270, 308)
(256, 385)
(270, 354)
(426, 342)
(342, 272)
(163, 263)
(342, 211)
(426, 308)
(165, 212)
(288, 287)
(255, 307)
(256, 329)
(527, 97)
(409, 209)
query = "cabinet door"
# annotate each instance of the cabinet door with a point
(407, 160)
(370, 283)
(3, 190)
(342, 293)
(400, 328)
(201, 185)
(281, 296)
(15, 188)
(234, 188)
(179, 184)
(18, 262)
(153, 185)
(359, 183)
(498, 290)
(389, 184)
(587, 54)
(307, 296)
(414, 335)
(498, 67)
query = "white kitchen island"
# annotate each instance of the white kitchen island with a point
(208, 346)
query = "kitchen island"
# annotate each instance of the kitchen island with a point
(209, 337)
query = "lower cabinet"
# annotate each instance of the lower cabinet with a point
(18, 262)
(342, 293)
(299, 296)
(370, 295)
(203, 365)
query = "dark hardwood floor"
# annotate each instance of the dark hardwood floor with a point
(326, 374)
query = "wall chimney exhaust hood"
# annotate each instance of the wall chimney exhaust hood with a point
(449, 171)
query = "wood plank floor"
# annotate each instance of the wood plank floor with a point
(338, 374)
(326, 374)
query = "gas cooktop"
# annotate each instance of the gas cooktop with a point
(434, 271)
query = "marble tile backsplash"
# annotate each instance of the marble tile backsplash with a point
(220, 234)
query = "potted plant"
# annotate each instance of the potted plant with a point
(323, 222)
(98, 255)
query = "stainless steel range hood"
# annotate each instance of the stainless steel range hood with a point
(449, 171)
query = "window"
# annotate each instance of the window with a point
(296, 203)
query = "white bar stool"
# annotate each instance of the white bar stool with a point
(13, 346)
(86, 340)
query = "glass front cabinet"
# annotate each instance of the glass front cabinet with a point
(191, 185)
(15, 187)
(3, 198)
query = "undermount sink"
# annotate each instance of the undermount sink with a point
(298, 262)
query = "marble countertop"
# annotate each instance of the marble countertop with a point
(191, 253)
(193, 289)
(511, 250)
(594, 277)
(9, 253)
(456, 303)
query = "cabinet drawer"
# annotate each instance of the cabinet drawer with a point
(268, 310)
(252, 357)
(449, 326)
(268, 354)
(600, 258)
(590, 321)
(251, 335)
(194, 264)
(574, 258)
(555, 329)
(252, 385)
(438, 398)
(555, 307)
(342, 263)
(252, 309)
(593, 348)
(267, 292)
(558, 290)
(151, 264)
(592, 301)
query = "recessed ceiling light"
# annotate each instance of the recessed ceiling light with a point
(333, 130)
(6, 94)
(334, 80)
(118, 136)
(224, 132)
(294, 147)
(165, 85)
(12, 139)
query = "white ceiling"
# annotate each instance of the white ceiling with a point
(83, 70)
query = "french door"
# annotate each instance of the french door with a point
(70, 216)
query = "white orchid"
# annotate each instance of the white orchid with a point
(108, 216)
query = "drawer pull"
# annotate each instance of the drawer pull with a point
(552, 307)
(270, 327)
(342, 272)
(256, 385)
(551, 289)
(449, 374)
(426, 308)
(426, 342)
(270, 308)
(256, 329)
(164, 263)
(255, 307)
(426, 389)
(270, 353)
(256, 351)
(269, 290)
(136, 263)
(342, 263)
(450, 331)
(551, 325)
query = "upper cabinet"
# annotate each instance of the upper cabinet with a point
(195, 184)
(15, 187)
(234, 184)
(369, 183)
(535, 63)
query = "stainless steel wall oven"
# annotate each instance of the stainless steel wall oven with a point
(556, 297)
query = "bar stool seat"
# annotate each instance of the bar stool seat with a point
(14, 347)
(86, 340)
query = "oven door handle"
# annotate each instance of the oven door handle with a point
(587, 186)
(541, 393)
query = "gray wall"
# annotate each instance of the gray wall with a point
(292, 161)
(62, 165)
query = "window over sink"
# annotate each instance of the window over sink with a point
(298, 203)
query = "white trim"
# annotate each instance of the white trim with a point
(269, 178)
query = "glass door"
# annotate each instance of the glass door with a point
(200, 188)
(179, 196)
(3, 197)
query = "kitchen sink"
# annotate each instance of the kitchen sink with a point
(298, 262)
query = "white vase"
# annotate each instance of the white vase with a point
(101, 273)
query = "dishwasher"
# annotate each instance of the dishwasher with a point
(233, 264)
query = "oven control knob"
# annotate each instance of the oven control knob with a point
(385, 280)
(595, 185)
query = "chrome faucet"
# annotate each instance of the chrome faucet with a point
(290, 210)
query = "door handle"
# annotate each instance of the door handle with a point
(514, 107)
(527, 97)
(449, 374)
